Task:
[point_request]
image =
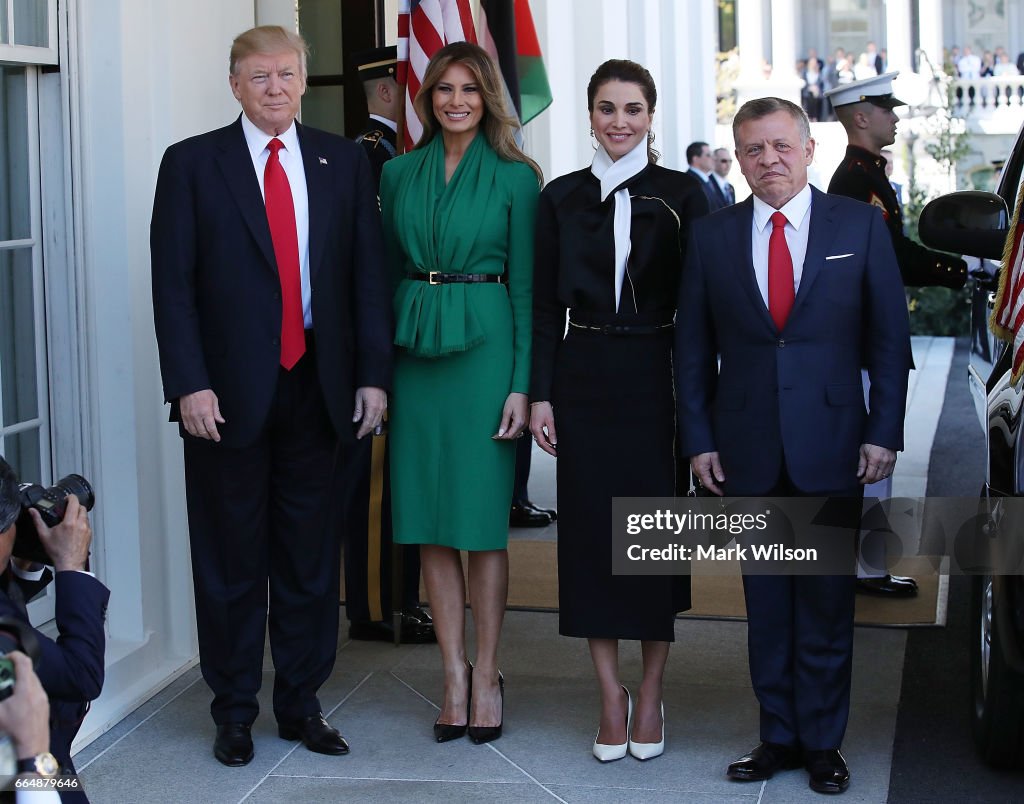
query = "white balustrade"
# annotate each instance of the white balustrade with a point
(981, 96)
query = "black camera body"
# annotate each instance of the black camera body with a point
(51, 503)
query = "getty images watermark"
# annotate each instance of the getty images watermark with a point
(814, 535)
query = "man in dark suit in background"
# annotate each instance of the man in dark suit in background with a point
(793, 290)
(365, 481)
(722, 161)
(698, 157)
(273, 321)
(71, 669)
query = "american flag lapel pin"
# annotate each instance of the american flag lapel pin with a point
(322, 161)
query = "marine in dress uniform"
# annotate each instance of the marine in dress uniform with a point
(370, 563)
(865, 108)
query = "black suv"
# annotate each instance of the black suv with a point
(976, 224)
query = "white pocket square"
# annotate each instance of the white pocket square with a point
(838, 256)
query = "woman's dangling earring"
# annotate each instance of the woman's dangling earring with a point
(650, 136)
(594, 138)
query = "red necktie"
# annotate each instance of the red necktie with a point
(780, 273)
(277, 194)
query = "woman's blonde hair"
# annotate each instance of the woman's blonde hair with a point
(499, 126)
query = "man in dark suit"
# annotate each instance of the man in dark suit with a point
(722, 160)
(273, 320)
(71, 668)
(698, 157)
(793, 291)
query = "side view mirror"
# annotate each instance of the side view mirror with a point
(969, 222)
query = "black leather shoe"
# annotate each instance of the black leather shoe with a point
(419, 614)
(522, 515)
(484, 734)
(551, 512)
(763, 762)
(888, 586)
(828, 769)
(414, 632)
(233, 746)
(316, 734)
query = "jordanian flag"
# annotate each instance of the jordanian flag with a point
(505, 29)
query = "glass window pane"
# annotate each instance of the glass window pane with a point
(324, 108)
(17, 337)
(31, 25)
(3, 22)
(15, 220)
(320, 23)
(21, 451)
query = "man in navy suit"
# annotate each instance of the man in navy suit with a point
(698, 157)
(273, 321)
(792, 291)
(70, 668)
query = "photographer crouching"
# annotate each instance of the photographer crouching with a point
(70, 668)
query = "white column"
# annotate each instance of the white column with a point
(931, 33)
(783, 39)
(785, 82)
(749, 36)
(750, 40)
(897, 33)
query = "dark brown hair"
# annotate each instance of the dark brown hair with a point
(631, 73)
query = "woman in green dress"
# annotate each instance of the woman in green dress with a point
(458, 215)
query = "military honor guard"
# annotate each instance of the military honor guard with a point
(374, 567)
(865, 108)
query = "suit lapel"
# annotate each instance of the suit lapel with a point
(318, 183)
(749, 281)
(744, 229)
(236, 165)
(819, 238)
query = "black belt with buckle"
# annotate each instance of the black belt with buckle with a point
(639, 328)
(439, 278)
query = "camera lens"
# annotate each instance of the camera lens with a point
(79, 486)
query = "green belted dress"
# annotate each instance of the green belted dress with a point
(462, 348)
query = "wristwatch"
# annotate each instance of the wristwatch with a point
(44, 764)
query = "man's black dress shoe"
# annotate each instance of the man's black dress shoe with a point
(414, 632)
(420, 614)
(829, 773)
(316, 734)
(233, 746)
(525, 515)
(763, 761)
(888, 586)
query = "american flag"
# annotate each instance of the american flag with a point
(1008, 316)
(424, 27)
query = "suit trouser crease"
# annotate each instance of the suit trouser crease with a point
(260, 524)
(800, 645)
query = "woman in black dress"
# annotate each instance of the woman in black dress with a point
(610, 241)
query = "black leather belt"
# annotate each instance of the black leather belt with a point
(439, 278)
(621, 329)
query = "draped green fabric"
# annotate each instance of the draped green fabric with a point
(433, 320)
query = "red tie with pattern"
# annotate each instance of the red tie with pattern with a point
(780, 272)
(277, 194)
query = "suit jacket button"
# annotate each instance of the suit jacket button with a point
(782, 344)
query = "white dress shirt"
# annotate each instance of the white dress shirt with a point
(797, 211)
(291, 161)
